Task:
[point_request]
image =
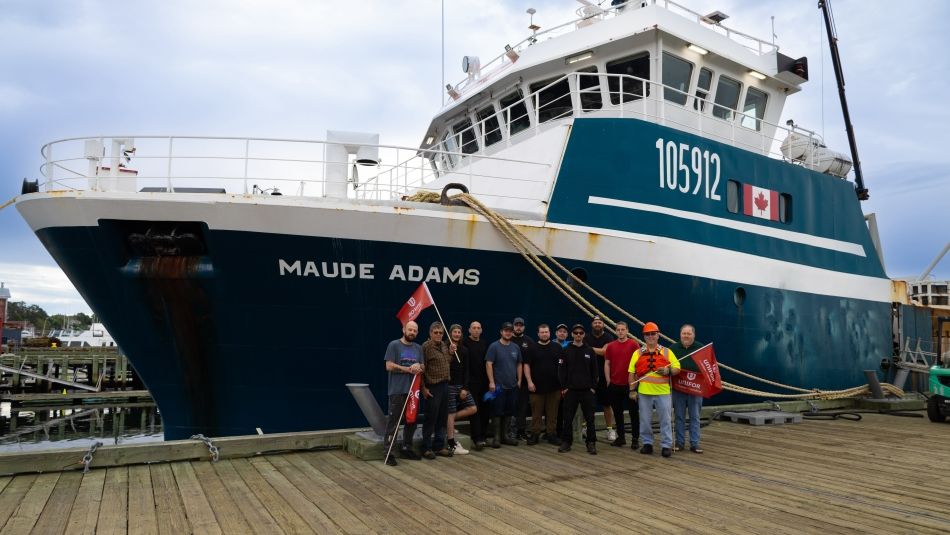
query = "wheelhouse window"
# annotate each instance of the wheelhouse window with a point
(489, 125)
(732, 196)
(588, 85)
(677, 74)
(727, 97)
(465, 136)
(514, 112)
(638, 66)
(552, 98)
(448, 144)
(702, 89)
(754, 108)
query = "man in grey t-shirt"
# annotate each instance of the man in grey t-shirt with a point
(503, 366)
(404, 360)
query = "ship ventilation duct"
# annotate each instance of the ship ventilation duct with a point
(815, 156)
(340, 145)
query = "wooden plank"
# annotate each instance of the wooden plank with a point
(60, 504)
(113, 512)
(226, 512)
(172, 450)
(169, 511)
(281, 511)
(318, 521)
(23, 520)
(12, 495)
(142, 517)
(71, 396)
(324, 493)
(197, 508)
(85, 511)
(254, 512)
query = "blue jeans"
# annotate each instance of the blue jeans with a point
(663, 406)
(681, 402)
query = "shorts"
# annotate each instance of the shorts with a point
(456, 404)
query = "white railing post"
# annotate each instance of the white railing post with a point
(247, 149)
(537, 112)
(622, 99)
(171, 142)
(49, 166)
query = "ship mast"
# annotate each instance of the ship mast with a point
(859, 189)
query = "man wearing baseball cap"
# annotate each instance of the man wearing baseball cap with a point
(650, 370)
(525, 342)
(578, 374)
(503, 366)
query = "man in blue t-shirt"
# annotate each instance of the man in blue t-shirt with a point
(404, 360)
(503, 366)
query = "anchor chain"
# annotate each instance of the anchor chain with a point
(211, 447)
(87, 458)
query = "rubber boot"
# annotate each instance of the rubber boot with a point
(496, 426)
(505, 437)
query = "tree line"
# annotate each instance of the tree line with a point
(43, 322)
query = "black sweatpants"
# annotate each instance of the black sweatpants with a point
(585, 398)
(479, 422)
(396, 402)
(618, 396)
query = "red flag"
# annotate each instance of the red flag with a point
(759, 202)
(706, 382)
(418, 301)
(412, 404)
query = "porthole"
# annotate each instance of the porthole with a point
(580, 273)
(739, 296)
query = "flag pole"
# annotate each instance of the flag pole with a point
(401, 413)
(442, 321)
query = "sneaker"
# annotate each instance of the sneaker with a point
(618, 442)
(678, 447)
(695, 449)
(391, 460)
(407, 453)
(666, 452)
(533, 439)
(647, 449)
(444, 452)
(428, 454)
(565, 447)
(460, 450)
(611, 434)
(592, 448)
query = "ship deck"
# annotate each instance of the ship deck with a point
(884, 474)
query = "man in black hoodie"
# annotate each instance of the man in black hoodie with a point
(578, 375)
(478, 381)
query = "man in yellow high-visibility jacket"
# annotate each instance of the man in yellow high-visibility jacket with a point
(649, 374)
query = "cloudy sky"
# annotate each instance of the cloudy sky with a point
(295, 68)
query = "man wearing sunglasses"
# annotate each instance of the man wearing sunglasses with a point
(578, 374)
(649, 373)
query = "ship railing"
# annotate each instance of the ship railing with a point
(587, 15)
(269, 166)
(590, 95)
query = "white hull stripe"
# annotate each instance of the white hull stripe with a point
(449, 227)
(786, 235)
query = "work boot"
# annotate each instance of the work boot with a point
(505, 438)
(533, 439)
(647, 449)
(496, 440)
(666, 452)
(565, 447)
(592, 448)
(554, 440)
(407, 453)
(618, 442)
(391, 460)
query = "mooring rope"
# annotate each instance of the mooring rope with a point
(8, 203)
(538, 259)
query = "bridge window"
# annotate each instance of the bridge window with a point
(677, 74)
(448, 144)
(784, 207)
(514, 112)
(489, 123)
(637, 66)
(732, 196)
(552, 98)
(702, 89)
(588, 86)
(754, 108)
(465, 136)
(727, 97)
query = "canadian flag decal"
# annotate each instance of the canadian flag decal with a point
(760, 202)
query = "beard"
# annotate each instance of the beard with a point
(410, 337)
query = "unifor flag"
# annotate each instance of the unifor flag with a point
(418, 301)
(706, 382)
(760, 202)
(412, 404)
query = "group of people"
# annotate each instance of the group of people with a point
(497, 384)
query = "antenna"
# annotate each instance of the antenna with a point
(532, 26)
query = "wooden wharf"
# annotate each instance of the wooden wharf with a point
(883, 474)
(80, 365)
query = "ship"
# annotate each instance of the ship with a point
(640, 144)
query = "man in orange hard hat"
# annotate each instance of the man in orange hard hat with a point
(649, 374)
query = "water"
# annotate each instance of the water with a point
(42, 428)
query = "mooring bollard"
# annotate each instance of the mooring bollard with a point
(371, 410)
(876, 391)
